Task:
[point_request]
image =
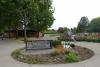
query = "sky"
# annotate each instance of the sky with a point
(68, 12)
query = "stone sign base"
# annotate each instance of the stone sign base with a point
(38, 44)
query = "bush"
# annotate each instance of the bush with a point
(55, 43)
(71, 57)
(72, 45)
(16, 54)
(54, 53)
(66, 52)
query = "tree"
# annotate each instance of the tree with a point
(94, 25)
(62, 29)
(42, 15)
(82, 25)
(8, 13)
(73, 30)
(37, 14)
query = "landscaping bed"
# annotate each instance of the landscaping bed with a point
(75, 54)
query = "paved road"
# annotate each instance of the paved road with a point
(7, 46)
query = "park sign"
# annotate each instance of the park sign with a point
(38, 44)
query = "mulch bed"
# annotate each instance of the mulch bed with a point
(82, 52)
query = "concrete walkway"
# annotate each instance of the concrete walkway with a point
(7, 46)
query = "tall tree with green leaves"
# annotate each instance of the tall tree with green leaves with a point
(42, 15)
(8, 14)
(37, 14)
(94, 25)
(82, 25)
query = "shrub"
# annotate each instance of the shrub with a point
(16, 54)
(66, 52)
(98, 39)
(54, 53)
(55, 43)
(72, 45)
(71, 57)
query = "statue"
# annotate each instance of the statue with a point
(68, 36)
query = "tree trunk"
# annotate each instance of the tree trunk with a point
(25, 35)
(17, 31)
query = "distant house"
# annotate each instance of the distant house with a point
(20, 33)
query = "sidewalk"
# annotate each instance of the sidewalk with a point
(7, 46)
